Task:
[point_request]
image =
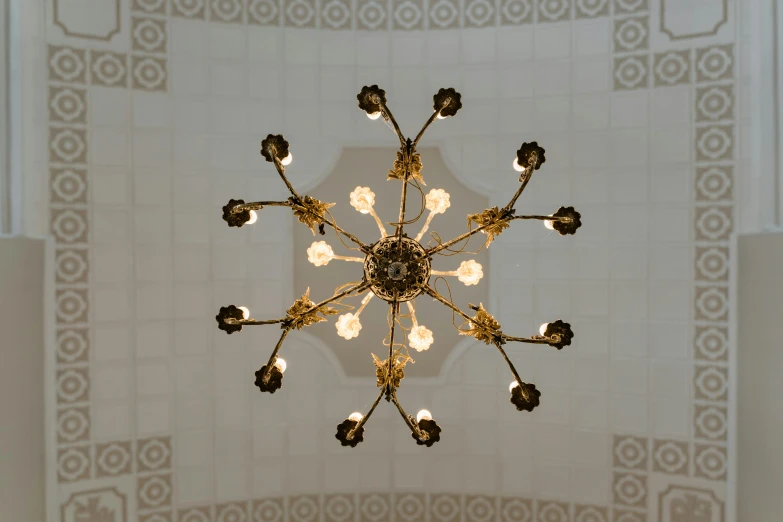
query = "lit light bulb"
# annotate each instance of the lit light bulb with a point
(441, 117)
(420, 338)
(348, 326)
(320, 253)
(253, 218)
(245, 312)
(437, 201)
(423, 414)
(356, 416)
(548, 223)
(288, 159)
(470, 272)
(542, 329)
(517, 166)
(513, 385)
(363, 199)
(281, 365)
(374, 115)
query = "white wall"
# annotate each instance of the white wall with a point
(23, 325)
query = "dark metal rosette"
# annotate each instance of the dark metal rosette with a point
(559, 333)
(235, 219)
(525, 396)
(570, 226)
(431, 428)
(344, 428)
(229, 312)
(371, 99)
(527, 152)
(452, 100)
(274, 143)
(273, 383)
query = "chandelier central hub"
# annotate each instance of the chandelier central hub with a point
(398, 266)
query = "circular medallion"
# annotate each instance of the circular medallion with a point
(398, 268)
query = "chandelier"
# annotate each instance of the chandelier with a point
(397, 269)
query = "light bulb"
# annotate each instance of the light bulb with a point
(548, 223)
(374, 115)
(253, 218)
(356, 416)
(288, 159)
(441, 117)
(320, 253)
(245, 312)
(470, 272)
(513, 385)
(281, 365)
(437, 201)
(362, 199)
(423, 414)
(348, 326)
(542, 329)
(517, 166)
(420, 338)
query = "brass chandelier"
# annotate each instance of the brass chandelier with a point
(397, 269)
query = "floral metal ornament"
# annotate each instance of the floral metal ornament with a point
(397, 268)
(525, 396)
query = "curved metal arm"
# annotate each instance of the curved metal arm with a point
(387, 114)
(253, 322)
(273, 357)
(281, 170)
(408, 419)
(358, 288)
(259, 205)
(424, 128)
(365, 418)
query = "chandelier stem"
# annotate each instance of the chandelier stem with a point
(403, 200)
(528, 173)
(412, 310)
(510, 365)
(252, 322)
(564, 219)
(528, 340)
(389, 374)
(273, 357)
(366, 300)
(441, 273)
(362, 422)
(435, 295)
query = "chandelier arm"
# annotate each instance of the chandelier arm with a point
(365, 418)
(259, 205)
(349, 258)
(364, 285)
(390, 117)
(281, 170)
(424, 128)
(390, 375)
(528, 173)
(379, 222)
(412, 311)
(466, 235)
(538, 339)
(252, 322)
(562, 219)
(435, 295)
(403, 199)
(413, 427)
(442, 273)
(273, 357)
(508, 361)
(426, 226)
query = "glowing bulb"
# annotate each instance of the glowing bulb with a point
(348, 326)
(441, 117)
(542, 329)
(253, 218)
(420, 338)
(363, 199)
(517, 166)
(548, 223)
(423, 414)
(470, 272)
(245, 312)
(356, 416)
(281, 365)
(288, 159)
(437, 201)
(513, 385)
(320, 253)
(374, 115)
